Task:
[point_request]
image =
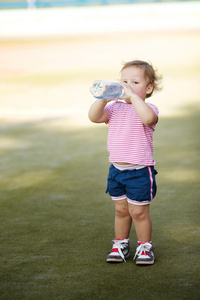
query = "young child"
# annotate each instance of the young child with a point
(131, 179)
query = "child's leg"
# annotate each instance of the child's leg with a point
(123, 220)
(142, 221)
(144, 253)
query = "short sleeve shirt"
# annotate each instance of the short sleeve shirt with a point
(129, 140)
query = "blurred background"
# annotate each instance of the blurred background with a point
(52, 51)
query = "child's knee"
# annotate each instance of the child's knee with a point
(121, 210)
(139, 212)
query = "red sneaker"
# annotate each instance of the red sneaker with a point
(120, 251)
(144, 254)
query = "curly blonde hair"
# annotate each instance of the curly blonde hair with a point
(150, 73)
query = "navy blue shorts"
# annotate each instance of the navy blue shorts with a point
(138, 186)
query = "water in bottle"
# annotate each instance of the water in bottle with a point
(102, 89)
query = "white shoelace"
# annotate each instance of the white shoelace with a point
(142, 248)
(119, 245)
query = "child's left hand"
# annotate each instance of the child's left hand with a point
(128, 90)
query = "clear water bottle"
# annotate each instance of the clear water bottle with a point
(102, 89)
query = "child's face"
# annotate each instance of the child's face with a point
(135, 78)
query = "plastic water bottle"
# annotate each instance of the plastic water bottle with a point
(102, 89)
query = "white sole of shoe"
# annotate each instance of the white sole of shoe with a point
(116, 260)
(145, 263)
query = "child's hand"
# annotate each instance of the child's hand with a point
(106, 100)
(127, 89)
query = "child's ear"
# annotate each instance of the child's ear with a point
(149, 88)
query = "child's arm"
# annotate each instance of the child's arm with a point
(97, 113)
(144, 111)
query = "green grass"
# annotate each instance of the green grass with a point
(57, 221)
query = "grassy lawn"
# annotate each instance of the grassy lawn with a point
(56, 220)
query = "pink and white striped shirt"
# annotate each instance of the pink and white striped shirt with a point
(129, 140)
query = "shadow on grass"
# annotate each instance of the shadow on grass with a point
(57, 221)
